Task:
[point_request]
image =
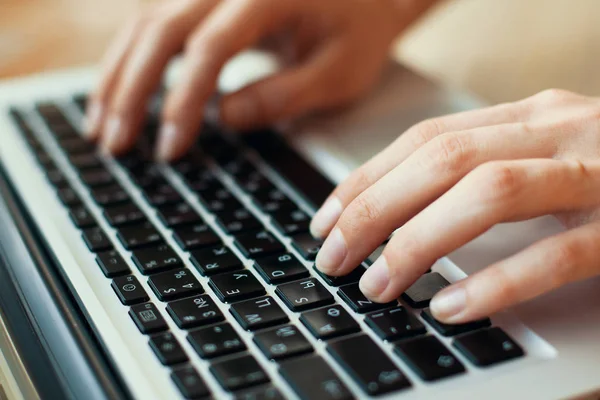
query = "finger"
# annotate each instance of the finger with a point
(424, 176)
(544, 266)
(500, 191)
(232, 27)
(404, 146)
(142, 72)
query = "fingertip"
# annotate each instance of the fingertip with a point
(326, 217)
(168, 145)
(114, 136)
(375, 280)
(450, 305)
(93, 120)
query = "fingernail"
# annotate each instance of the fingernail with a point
(376, 279)
(167, 142)
(240, 110)
(326, 217)
(332, 253)
(448, 303)
(113, 136)
(92, 120)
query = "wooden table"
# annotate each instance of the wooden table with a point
(499, 50)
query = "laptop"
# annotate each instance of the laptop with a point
(122, 278)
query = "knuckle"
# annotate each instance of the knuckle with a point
(499, 182)
(506, 285)
(362, 211)
(450, 152)
(562, 259)
(424, 131)
(553, 96)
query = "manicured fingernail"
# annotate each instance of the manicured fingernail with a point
(448, 303)
(113, 137)
(376, 279)
(166, 146)
(332, 253)
(92, 120)
(326, 217)
(240, 111)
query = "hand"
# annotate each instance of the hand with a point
(448, 180)
(340, 47)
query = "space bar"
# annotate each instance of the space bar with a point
(291, 166)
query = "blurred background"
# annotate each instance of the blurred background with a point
(500, 50)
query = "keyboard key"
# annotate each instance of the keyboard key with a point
(454, 329)
(174, 284)
(195, 236)
(68, 197)
(257, 244)
(280, 268)
(235, 286)
(97, 177)
(75, 145)
(167, 349)
(56, 178)
(260, 393)
(147, 318)
(237, 221)
(123, 214)
(85, 161)
(155, 259)
(129, 290)
(291, 222)
(239, 373)
(222, 206)
(162, 194)
(215, 341)
(352, 277)
(370, 367)
(304, 295)
(258, 313)
(96, 240)
(141, 235)
(282, 342)
(352, 295)
(329, 322)
(423, 290)
(306, 245)
(82, 218)
(194, 311)
(488, 347)
(273, 201)
(395, 323)
(112, 264)
(429, 358)
(178, 214)
(189, 383)
(215, 260)
(312, 378)
(109, 195)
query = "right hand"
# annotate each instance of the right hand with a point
(340, 48)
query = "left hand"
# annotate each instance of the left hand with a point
(448, 180)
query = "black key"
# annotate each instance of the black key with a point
(352, 277)
(146, 174)
(96, 240)
(329, 322)
(85, 161)
(194, 311)
(312, 378)
(215, 260)
(190, 384)
(429, 358)
(123, 214)
(162, 194)
(195, 236)
(178, 214)
(258, 313)
(112, 264)
(147, 318)
(81, 217)
(304, 294)
(167, 349)
(156, 259)
(215, 341)
(423, 290)
(68, 196)
(395, 323)
(237, 221)
(260, 393)
(109, 195)
(81, 101)
(370, 367)
(454, 329)
(239, 373)
(273, 201)
(174, 284)
(56, 178)
(223, 206)
(291, 222)
(306, 245)
(75, 144)
(129, 290)
(236, 286)
(255, 182)
(488, 346)
(97, 177)
(352, 295)
(280, 268)
(136, 236)
(282, 342)
(257, 244)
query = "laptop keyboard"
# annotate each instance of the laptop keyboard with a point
(304, 292)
